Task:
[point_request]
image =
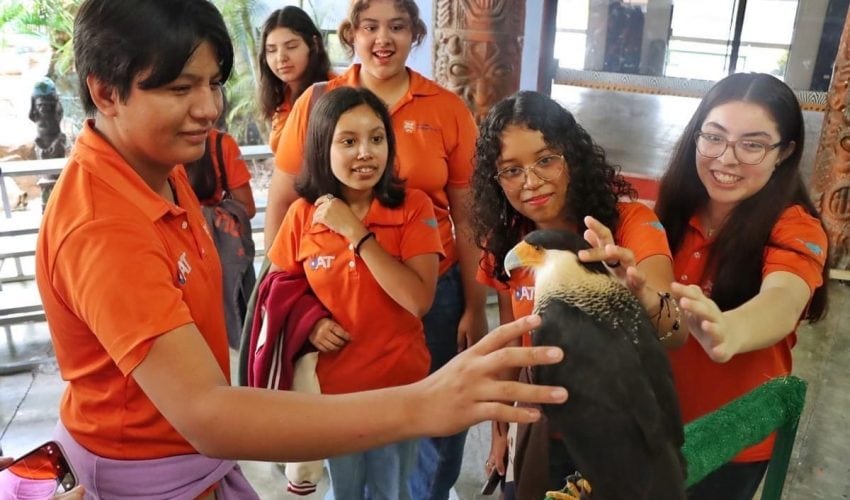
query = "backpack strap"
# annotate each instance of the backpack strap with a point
(222, 170)
(319, 89)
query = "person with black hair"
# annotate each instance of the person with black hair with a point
(435, 133)
(292, 58)
(749, 253)
(369, 249)
(131, 286)
(538, 168)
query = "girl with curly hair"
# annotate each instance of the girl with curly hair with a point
(537, 168)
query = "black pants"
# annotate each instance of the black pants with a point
(733, 481)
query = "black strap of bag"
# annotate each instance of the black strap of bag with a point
(222, 170)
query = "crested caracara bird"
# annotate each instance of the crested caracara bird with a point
(621, 425)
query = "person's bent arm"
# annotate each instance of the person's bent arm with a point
(181, 377)
(411, 283)
(281, 195)
(760, 322)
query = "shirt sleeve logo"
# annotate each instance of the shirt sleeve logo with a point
(656, 225)
(814, 248)
(430, 222)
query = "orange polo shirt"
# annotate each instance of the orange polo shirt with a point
(387, 346)
(117, 266)
(435, 143)
(279, 118)
(638, 230)
(281, 114)
(797, 245)
(235, 167)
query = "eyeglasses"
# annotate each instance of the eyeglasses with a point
(547, 168)
(746, 151)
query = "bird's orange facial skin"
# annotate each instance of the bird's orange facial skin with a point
(524, 255)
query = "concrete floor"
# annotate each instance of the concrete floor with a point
(820, 467)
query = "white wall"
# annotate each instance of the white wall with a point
(531, 45)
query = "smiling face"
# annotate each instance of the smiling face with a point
(727, 180)
(359, 151)
(382, 39)
(287, 55)
(155, 129)
(542, 201)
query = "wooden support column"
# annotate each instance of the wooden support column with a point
(830, 183)
(478, 49)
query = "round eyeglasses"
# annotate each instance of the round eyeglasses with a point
(747, 151)
(547, 168)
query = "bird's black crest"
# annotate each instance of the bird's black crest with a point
(560, 239)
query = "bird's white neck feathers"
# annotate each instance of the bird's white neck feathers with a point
(562, 276)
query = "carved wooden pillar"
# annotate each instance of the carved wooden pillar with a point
(478, 49)
(830, 183)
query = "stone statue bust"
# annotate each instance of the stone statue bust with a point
(46, 111)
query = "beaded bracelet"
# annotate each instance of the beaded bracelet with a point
(666, 301)
(359, 244)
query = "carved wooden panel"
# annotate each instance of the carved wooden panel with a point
(830, 183)
(478, 49)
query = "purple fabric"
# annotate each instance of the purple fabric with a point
(182, 477)
(19, 488)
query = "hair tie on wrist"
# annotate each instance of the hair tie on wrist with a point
(666, 301)
(359, 244)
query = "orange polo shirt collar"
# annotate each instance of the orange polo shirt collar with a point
(121, 176)
(419, 85)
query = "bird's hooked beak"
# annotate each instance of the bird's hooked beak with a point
(523, 255)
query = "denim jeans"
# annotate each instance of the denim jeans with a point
(439, 460)
(733, 481)
(377, 474)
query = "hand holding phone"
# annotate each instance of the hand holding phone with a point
(43, 471)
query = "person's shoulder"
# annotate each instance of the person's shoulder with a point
(348, 78)
(300, 204)
(414, 196)
(797, 228)
(635, 212)
(417, 204)
(795, 220)
(796, 213)
(634, 208)
(422, 86)
(225, 136)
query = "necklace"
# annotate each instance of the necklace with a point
(710, 227)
